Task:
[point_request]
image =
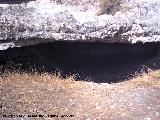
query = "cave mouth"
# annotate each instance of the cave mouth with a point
(91, 61)
(14, 1)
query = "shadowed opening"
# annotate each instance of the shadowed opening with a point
(95, 61)
(14, 1)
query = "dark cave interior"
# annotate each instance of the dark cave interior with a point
(14, 1)
(91, 61)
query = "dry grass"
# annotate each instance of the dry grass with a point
(146, 80)
(136, 99)
(104, 6)
(107, 6)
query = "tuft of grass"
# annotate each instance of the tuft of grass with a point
(108, 6)
(104, 6)
(152, 79)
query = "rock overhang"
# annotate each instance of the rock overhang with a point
(43, 21)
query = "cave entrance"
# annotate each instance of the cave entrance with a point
(14, 1)
(95, 61)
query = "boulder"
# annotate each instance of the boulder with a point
(43, 21)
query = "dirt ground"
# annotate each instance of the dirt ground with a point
(52, 97)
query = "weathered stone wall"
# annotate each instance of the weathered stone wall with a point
(43, 21)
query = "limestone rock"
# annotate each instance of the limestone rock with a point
(42, 21)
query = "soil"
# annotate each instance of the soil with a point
(66, 99)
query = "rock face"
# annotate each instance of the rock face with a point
(42, 21)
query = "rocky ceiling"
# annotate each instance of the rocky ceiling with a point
(43, 21)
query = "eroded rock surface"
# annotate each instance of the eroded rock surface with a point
(42, 21)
